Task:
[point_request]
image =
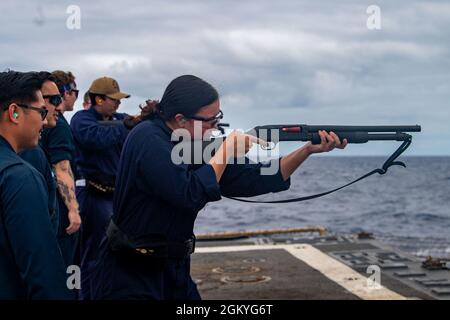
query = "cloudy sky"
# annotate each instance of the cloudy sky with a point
(292, 61)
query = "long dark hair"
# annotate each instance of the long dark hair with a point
(186, 94)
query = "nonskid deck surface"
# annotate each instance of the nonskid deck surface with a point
(312, 267)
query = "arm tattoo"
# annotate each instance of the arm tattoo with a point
(66, 184)
(64, 192)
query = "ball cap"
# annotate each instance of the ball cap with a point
(108, 87)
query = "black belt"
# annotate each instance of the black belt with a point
(119, 241)
(99, 187)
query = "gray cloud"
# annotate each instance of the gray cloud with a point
(289, 61)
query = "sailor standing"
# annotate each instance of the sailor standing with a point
(146, 254)
(59, 146)
(31, 265)
(37, 156)
(99, 147)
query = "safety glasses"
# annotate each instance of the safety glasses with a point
(76, 92)
(54, 99)
(213, 120)
(42, 111)
(69, 88)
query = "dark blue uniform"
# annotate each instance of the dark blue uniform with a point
(38, 159)
(154, 196)
(31, 265)
(59, 145)
(98, 153)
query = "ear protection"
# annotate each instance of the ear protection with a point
(15, 115)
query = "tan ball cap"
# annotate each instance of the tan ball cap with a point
(108, 87)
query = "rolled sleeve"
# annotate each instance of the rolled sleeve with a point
(59, 144)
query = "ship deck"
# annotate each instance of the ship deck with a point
(312, 267)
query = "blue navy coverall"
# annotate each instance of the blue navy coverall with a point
(155, 196)
(38, 159)
(31, 265)
(58, 144)
(98, 153)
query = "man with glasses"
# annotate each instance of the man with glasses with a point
(31, 265)
(99, 147)
(36, 156)
(67, 87)
(59, 145)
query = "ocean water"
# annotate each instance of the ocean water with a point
(408, 208)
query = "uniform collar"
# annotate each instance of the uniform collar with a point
(4, 143)
(61, 116)
(99, 117)
(161, 123)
